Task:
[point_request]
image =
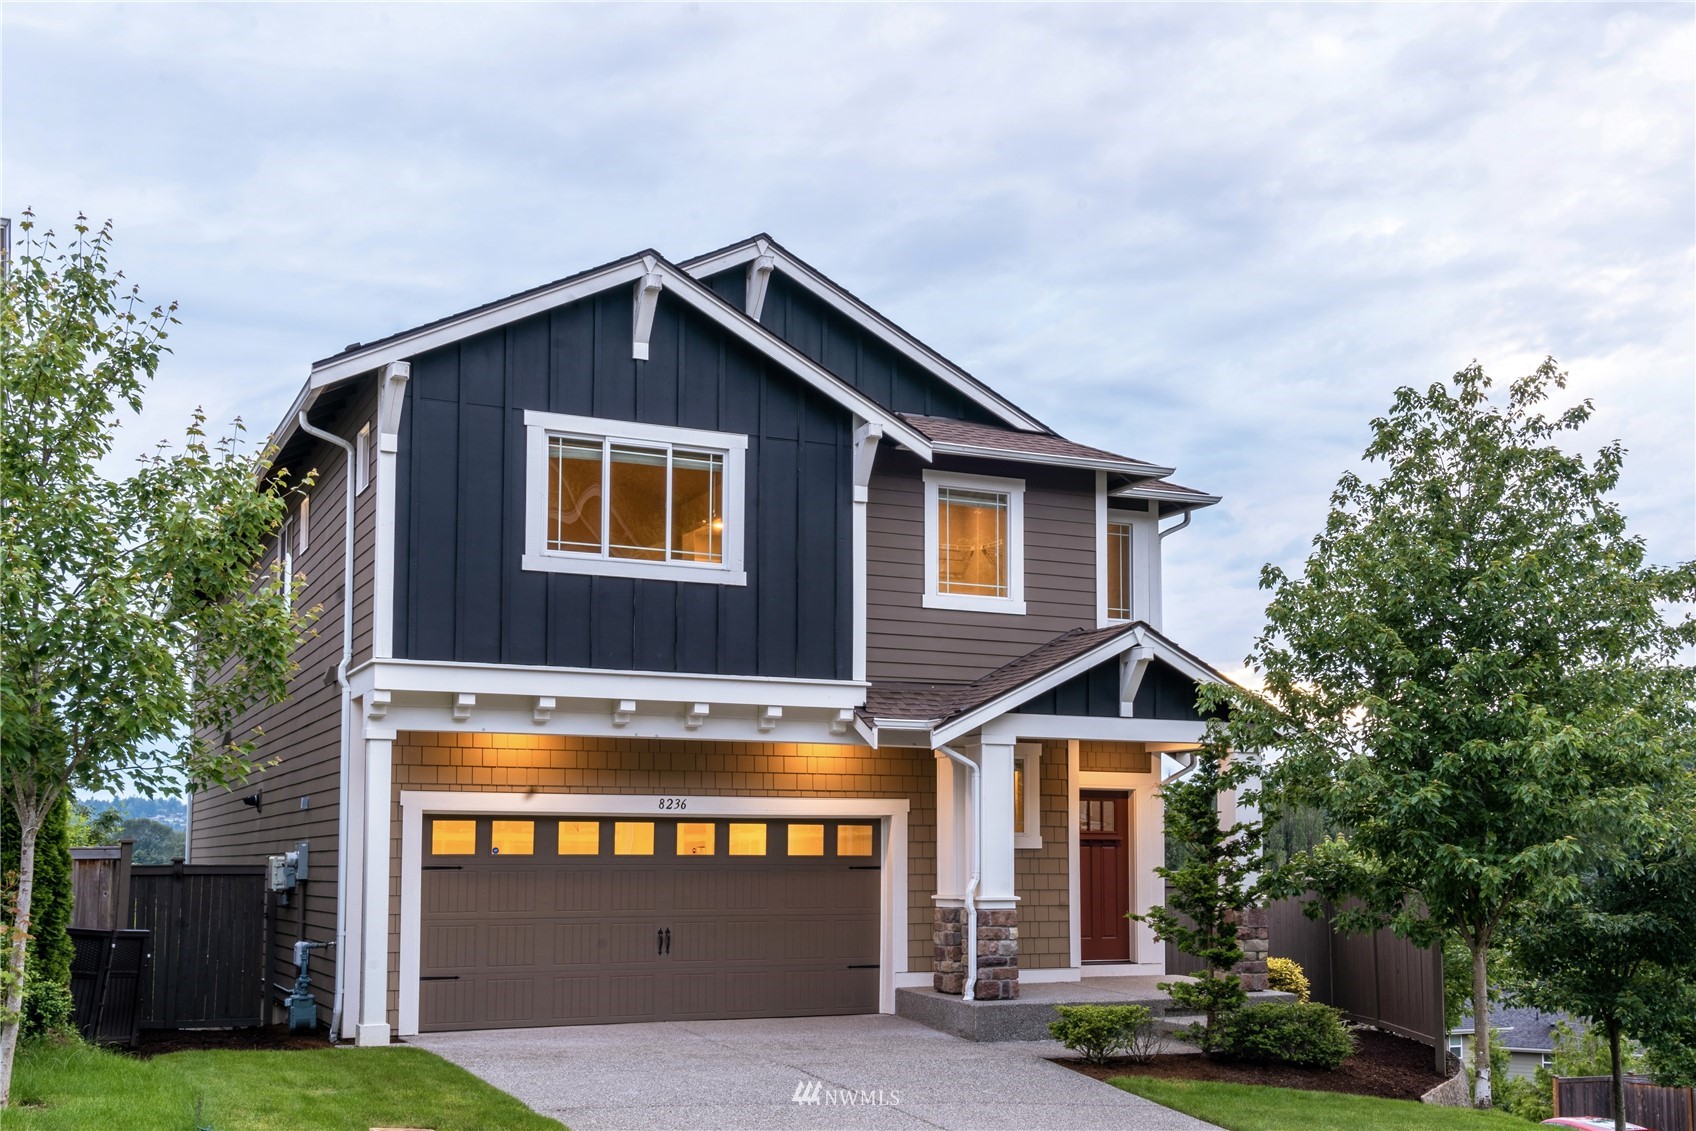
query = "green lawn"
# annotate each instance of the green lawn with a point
(1248, 1107)
(78, 1088)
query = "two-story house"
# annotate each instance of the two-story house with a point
(697, 643)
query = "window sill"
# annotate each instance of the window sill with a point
(1027, 840)
(974, 604)
(619, 567)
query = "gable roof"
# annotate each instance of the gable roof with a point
(946, 711)
(1523, 1029)
(1170, 498)
(362, 358)
(844, 302)
(966, 438)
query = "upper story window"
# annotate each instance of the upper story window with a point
(362, 460)
(974, 542)
(633, 500)
(1119, 570)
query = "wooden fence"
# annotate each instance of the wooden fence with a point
(100, 886)
(108, 971)
(209, 944)
(1664, 1109)
(1379, 979)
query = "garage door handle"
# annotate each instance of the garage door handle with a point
(659, 942)
(438, 977)
(668, 940)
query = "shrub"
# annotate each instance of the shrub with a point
(1305, 1034)
(1287, 976)
(1532, 1100)
(48, 1010)
(1098, 1033)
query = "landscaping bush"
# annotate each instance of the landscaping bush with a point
(48, 1010)
(1098, 1033)
(1305, 1034)
(1287, 976)
(1532, 1100)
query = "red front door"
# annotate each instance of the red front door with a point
(1104, 864)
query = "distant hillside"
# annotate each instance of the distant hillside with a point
(170, 811)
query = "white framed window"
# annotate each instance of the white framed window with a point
(1120, 540)
(622, 499)
(303, 527)
(286, 538)
(1027, 795)
(974, 542)
(362, 460)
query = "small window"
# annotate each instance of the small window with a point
(747, 839)
(453, 838)
(1027, 795)
(362, 460)
(512, 838)
(1119, 571)
(579, 838)
(974, 543)
(1019, 796)
(303, 527)
(695, 839)
(633, 838)
(853, 840)
(806, 840)
(633, 500)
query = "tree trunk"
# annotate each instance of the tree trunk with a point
(1619, 1074)
(29, 825)
(1481, 1096)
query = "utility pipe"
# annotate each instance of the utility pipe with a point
(972, 884)
(1189, 764)
(347, 703)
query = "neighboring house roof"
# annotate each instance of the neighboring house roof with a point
(846, 303)
(1523, 1029)
(942, 711)
(966, 438)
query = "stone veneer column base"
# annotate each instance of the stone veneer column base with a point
(1255, 939)
(998, 953)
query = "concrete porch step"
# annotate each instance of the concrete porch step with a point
(1026, 1018)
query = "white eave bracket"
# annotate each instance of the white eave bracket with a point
(391, 394)
(759, 277)
(866, 437)
(463, 702)
(648, 289)
(1135, 666)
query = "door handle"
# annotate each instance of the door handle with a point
(659, 942)
(668, 940)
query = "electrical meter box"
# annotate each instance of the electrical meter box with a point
(284, 870)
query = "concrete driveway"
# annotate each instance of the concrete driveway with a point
(819, 1073)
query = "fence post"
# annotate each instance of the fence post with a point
(123, 914)
(1441, 1026)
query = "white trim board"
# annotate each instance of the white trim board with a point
(414, 804)
(867, 319)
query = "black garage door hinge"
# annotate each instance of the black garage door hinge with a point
(864, 965)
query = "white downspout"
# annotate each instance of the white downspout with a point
(1189, 757)
(1174, 529)
(341, 679)
(972, 884)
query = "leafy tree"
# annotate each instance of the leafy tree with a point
(1472, 674)
(48, 958)
(155, 843)
(120, 600)
(88, 829)
(1210, 889)
(1620, 951)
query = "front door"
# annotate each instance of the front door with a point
(1104, 865)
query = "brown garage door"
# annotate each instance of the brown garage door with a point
(588, 920)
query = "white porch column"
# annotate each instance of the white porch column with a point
(373, 1026)
(953, 827)
(995, 823)
(1148, 851)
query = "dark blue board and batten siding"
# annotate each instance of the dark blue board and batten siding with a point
(1163, 694)
(853, 354)
(460, 591)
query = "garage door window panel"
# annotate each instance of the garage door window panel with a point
(512, 838)
(579, 838)
(453, 838)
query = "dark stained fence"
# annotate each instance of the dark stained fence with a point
(100, 885)
(209, 944)
(1379, 979)
(1665, 1109)
(108, 972)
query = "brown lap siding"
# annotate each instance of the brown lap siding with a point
(501, 763)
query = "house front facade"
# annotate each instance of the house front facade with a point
(693, 642)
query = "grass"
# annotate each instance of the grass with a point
(1250, 1107)
(75, 1087)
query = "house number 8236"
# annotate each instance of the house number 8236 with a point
(674, 803)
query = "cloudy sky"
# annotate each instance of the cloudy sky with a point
(1215, 237)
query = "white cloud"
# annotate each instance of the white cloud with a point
(1212, 236)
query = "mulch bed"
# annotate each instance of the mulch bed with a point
(157, 1042)
(1383, 1065)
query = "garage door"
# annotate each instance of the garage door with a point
(585, 920)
